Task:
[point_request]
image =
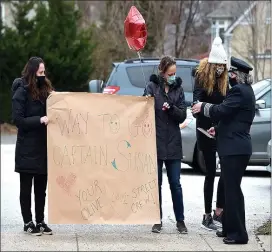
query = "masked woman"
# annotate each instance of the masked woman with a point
(170, 112)
(211, 86)
(235, 116)
(29, 94)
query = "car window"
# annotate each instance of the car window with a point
(185, 73)
(260, 86)
(188, 96)
(112, 81)
(267, 98)
(136, 77)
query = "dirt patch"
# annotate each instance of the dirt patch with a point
(8, 129)
(265, 229)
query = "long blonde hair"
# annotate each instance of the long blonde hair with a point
(206, 74)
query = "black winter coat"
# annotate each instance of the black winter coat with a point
(235, 116)
(31, 144)
(200, 94)
(168, 136)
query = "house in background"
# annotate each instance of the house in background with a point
(245, 29)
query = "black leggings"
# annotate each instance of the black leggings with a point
(210, 162)
(40, 183)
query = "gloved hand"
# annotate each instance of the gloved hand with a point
(166, 106)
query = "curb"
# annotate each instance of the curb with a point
(260, 243)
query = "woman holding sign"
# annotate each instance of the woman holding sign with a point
(170, 112)
(29, 94)
(211, 86)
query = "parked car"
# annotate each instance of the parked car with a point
(127, 77)
(269, 156)
(260, 131)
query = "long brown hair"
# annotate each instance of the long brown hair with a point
(29, 74)
(206, 74)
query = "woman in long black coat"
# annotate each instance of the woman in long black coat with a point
(211, 86)
(29, 94)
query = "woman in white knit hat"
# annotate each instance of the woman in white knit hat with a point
(211, 86)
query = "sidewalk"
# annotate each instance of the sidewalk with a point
(122, 238)
(264, 242)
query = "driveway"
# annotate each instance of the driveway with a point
(256, 187)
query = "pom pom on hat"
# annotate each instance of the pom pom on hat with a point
(217, 54)
(217, 41)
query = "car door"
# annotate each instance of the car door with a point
(261, 129)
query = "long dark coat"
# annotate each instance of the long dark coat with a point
(31, 144)
(168, 135)
(235, 116)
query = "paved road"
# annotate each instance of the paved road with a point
(256, 187)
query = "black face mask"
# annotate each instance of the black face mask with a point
(232, 80)
(40, 81)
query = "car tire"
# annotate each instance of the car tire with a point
(199, 163)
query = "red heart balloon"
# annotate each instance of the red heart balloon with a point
(135, 30)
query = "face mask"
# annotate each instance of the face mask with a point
(219, 70)
(40, 81)
(232, 80)
(171, 79)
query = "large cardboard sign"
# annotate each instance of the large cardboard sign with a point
(102, 162)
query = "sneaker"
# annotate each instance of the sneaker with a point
(31, 229)
(182, 229)
(217, 219)
(208, 224)
(157, 228)
(44, 229)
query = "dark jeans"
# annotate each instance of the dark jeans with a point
(40, 183)
(210, 162)
(173, 169)
(233, 222)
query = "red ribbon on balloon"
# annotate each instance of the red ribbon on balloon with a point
(135, 30)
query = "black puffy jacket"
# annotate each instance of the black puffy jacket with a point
(168, 136)
(31, 144)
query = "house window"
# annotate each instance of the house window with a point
(268, 14)
(267, 52)
(218, 29)
(221, 34)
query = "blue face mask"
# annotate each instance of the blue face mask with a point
(171, 79)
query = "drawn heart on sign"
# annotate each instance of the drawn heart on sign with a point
(66, 183)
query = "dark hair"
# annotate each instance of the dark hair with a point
(29, 74)
(165, 63)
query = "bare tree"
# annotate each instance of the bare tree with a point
(254, 37)
(182, 22)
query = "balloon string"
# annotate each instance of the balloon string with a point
(139, 55)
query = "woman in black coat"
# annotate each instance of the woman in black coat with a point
(29, 94)
(170, 112)
(235, 116)
(211, 86)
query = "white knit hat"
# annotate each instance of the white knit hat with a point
(218, 54)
